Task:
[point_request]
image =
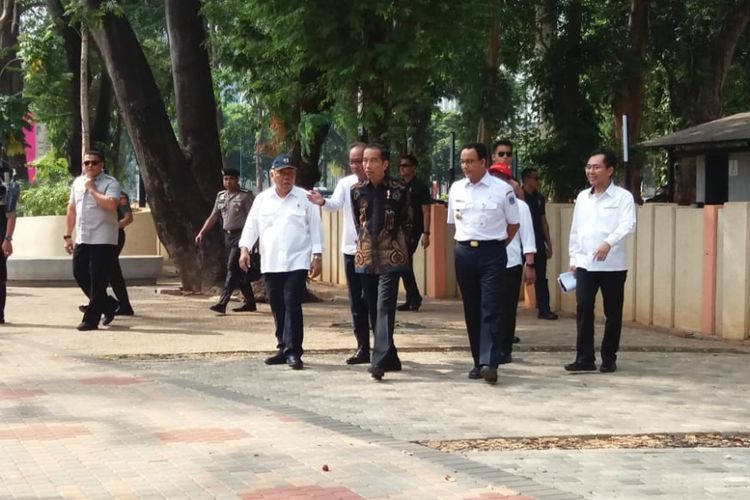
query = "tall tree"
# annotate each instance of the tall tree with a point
(172, 182)
(13, 106)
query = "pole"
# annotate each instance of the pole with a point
(625, 157)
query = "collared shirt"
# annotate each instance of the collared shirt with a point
(596, 219)
(9, 194)
(419, 196)
(482, 211)
(289, 229)
(523, 242)
(382, 217)
(233, 208)
(342, 197)
(94, 225)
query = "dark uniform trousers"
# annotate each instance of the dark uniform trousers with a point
(236, 277)
(413, 296)
(117, 282)
(541, 288)
(480, 273)
(612, 285)
(360, 319)
(284, 292)
(381, 294)
(92, 267)
(511, 291)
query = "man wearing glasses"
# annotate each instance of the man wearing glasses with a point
(92, 211)
(342, 197)
(420, 200)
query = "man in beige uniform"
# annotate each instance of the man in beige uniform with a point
(232, 206)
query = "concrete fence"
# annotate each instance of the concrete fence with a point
(689, 268)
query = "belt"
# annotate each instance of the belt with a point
(232, 231)
(481, 243)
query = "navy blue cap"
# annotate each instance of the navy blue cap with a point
(283, 161)
(231, 172)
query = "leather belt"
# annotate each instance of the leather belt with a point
(481, 243)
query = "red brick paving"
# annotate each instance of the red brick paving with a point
(201, 435)
(42, 432)
(302, 493)
(20, 393)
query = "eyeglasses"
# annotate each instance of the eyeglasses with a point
(355, 162)
(91, 162)
(405, 165)
(500, 154)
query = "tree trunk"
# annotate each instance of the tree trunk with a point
(630, 97)
(11, 85)
(194, 94)
(85, 135)
(177, 204)
(72, 44)
(100, 133)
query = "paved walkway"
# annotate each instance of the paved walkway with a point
(176, 403)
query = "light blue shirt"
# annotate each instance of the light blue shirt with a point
(94, 225)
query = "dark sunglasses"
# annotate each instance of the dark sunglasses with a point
(91, 162)
(504, 153)
(405, 165)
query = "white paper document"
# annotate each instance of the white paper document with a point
(567, 281)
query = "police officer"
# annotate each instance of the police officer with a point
(232, 206)
(9, 193)
(485, 213)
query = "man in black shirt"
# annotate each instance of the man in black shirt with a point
(420, 200)
(535, 200)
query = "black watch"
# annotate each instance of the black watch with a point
(530, 264)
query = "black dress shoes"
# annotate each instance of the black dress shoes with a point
(547, 315)
(392, 365)
(578, 366)
(127, 311)
(83, 308)
(474, 373)
(219, 308)
(245, 308)
(408, 307)
(85, 327)
(608, 367)
(276, 359)
(376, 371)
(516, 340)
(108, 317)
(359, 358)
(489, 374)
(294, 362)
(507, 358)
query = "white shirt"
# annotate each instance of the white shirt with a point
(523, 242)
(342, 196)
(289, 229)
(482, 211)
(609, 217)
(94, 225)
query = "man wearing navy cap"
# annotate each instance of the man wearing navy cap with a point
(288, 229)
(232, 206)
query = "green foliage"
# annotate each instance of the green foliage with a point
(51, 190)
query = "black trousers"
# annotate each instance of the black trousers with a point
(612, 285)
(284, 292)
(236, 277)
(381, 294)
(413, 296)
(358, 305)
(511, 291)
(116, 280)
(480, 273)
(541, 288)
(92, 266)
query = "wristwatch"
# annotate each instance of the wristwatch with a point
(530, 264)
(67, 237)
(8, 238)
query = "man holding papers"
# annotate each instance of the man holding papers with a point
(604, 215)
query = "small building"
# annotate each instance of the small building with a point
(721, 151)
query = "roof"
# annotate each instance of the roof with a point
(731, 130)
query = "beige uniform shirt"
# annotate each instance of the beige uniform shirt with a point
(233, 208)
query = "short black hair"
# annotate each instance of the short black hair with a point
(502, 142)
(610, 158)
(231, 172)
(528, 172)
(95, 152)
(480, 148)
(384, 153)
(410, 158)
